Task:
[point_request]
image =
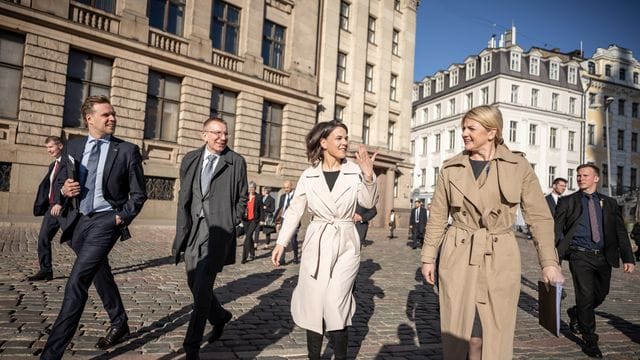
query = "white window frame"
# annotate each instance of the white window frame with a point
(470, 70)
(515, 89)
(485, 64)
(572, 75)
(514, 64)
(534, 65)
(439, 83)
(453, 78)
(554, 70)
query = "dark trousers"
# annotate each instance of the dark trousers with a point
(92, 240)
(591, 278)
(48, 230)
(417, 234)
(250, 228)
(294, 247)
(200, 278)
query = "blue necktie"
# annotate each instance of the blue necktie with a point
(89, 184)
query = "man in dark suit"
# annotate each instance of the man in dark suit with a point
(361, 218)
(558, 188)
(45, 206)
(283, 205)
(417, 224)
(211, 203)
(102, 188)
(590, 233)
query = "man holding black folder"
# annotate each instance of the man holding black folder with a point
(101, 187)
(590, 233)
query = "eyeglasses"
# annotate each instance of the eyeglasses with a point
(216, 133)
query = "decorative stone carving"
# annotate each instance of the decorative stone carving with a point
(283, 5)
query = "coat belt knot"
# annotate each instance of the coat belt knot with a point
(334, 225)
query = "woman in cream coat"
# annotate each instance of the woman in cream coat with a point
(479, 264)
(330, 189)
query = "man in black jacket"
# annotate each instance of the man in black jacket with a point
(590, 233)
(45, 206)
(362, 218)
(417, 224)
(558, 188)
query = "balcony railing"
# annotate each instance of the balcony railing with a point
(167, 42)
(275, 76)
(227, 61)
(97, 19)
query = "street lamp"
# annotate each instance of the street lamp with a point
(607, 103)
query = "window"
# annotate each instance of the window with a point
(468, 101)
(271, 134)
(485, 64)
(554, 101)
(620, 139)
(412, 147)
(633, 178)
(571, 183)
(453, 78)
(439, 83)
(484, 96)
(11, 55)
(452, 106)
(471, 70)
(438, 114)
(553, 132)
(514, 93)
(392, 87)
(344, 15)
(634, 142)
(534, 97)
(423, 180)
(607, 70)
(592, 99)
(273, 41)
(591, 134)
(437, 147)
(619, 177)
(554, 71)
(425, 146)
(163, 107)
(338, 113)
(571, 140)
(87, 75)
(436, 172)
(572, 105)
(371, 30)
(515, 61)
(634, 109)
(395, 185)
(572, 75)
(5, 176)
(552, 175)
(368, 81)
(635, 78)
(104, 5)
(396, 5)
(366, 128)
(591, 67)
(604, 136)
(223, 105)
(620, 106)
(622, 74)
(341, 73)
(534, 65)
(425, 115)
(513, 130)
(395, 42)
(391, 134)
(427, 88)
(167, 15)
(452, 139)
(225, 27)
(605, 175)
(532, 133)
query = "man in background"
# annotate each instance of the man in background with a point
(558, 188)
(283, 205)
(417, 224)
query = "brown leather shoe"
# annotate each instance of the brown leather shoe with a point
(114, 336)
(218, 328)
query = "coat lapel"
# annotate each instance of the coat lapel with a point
(319, 187)
(111, 158)
(345, 181)
(464, 180)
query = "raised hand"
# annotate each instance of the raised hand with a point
(365, 162)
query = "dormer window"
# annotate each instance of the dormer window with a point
(534, 65)
(515, 61)
(554, 71)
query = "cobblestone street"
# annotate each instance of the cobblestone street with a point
(396, 318)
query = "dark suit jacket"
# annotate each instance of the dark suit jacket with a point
(280, 210)
(41, 204)
(123, 185)
(227, 200)
(422, 220)
(367, 215)
(552, 204)
(616, 240)
(268, 207)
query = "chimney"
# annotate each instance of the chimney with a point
(491, 44)
(501, 43)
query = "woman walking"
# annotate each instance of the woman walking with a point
(331, 189)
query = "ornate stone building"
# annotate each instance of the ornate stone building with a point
(265, 67)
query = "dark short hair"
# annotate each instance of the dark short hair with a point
(558, 179)
(55, 139)
(595, 168)
(87, 105)
(212, 119)
(320, 131)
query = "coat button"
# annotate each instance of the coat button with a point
(464, 213)
(499, 211)
(462, 241)
(495, 239)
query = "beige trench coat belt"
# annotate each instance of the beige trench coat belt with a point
(481, 245)
(332, 224)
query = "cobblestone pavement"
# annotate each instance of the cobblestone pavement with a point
(396, 318)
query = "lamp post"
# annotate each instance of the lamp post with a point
(607, 103)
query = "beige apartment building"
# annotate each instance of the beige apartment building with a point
(265, 67)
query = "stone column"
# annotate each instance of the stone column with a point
(129, 98)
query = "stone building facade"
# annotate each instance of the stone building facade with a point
(169, 65)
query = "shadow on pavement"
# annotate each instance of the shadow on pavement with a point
(630, 330)
(407, 346)
(423, 310)
(167, 260)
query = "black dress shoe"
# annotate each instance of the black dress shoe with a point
(114, 336)
(41, 275)
(592, 350)
(573, 320)
(218, 328)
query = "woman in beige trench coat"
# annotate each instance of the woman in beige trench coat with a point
(479, 260)
(330, 189)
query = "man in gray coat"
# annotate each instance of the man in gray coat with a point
(211, 202)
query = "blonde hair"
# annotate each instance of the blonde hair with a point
(489, 117)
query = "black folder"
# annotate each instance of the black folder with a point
(549, 299)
